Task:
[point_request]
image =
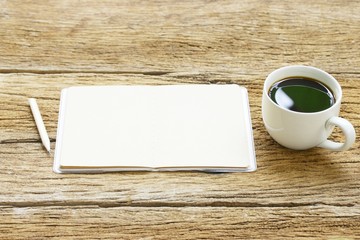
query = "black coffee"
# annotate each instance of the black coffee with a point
(301, 94)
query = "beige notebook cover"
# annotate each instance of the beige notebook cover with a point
(154, 128)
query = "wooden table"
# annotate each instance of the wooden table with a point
(46, 46)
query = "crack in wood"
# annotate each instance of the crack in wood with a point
(32, 140)
(34, 71)
(159, 204)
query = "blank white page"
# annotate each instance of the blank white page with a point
(154, 126)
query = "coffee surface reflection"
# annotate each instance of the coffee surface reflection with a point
(301, 94)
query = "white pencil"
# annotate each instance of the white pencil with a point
(39, 123)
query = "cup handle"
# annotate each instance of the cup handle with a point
(347, 129)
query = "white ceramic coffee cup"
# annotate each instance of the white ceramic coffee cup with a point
(298, 130)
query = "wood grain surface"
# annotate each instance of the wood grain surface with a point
(48, 45)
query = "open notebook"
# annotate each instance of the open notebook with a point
(154, 128)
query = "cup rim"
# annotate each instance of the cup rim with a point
(309, 68)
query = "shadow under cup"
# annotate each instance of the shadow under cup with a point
(303, 130)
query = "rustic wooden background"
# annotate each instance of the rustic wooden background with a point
(48, 45)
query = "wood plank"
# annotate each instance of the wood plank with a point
(16, 88)
(184, 223)
(284, 178)
(158, 36)
(314, 178)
